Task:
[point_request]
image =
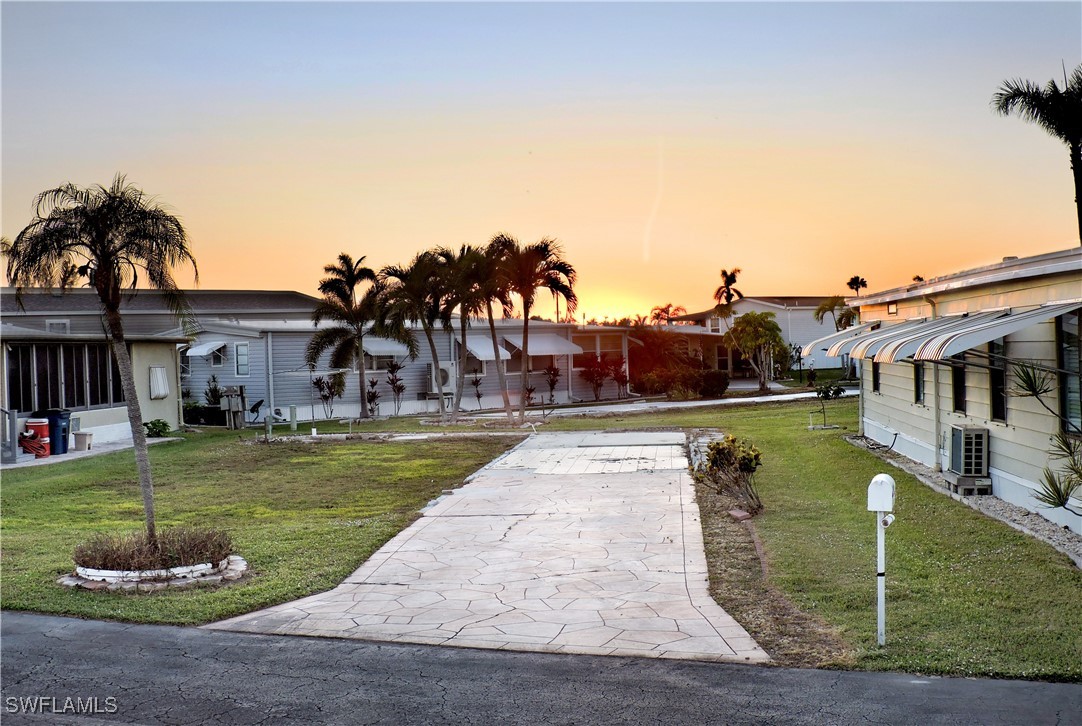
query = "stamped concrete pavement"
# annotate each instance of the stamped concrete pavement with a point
(582, 542)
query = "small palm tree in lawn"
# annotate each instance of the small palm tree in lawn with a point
(1056, 110)
(856, 284)
(352, 313)
(831, 306)
(415, 294)
(464, 271)
(529, 268)
(113, 237)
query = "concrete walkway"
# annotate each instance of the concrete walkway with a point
(584, 543)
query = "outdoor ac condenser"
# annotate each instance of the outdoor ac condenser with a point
(969, 451)
(446, 373)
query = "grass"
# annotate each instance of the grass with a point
(966, 595)
(303, 515)
(822, 375)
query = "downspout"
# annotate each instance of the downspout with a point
(267, 343)
(935, 398)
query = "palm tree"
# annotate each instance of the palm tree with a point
(665, 313)
(832, 305)
(415, 294)
(856, 283)
(528, 268)
(496, 289)
(114, 237)
(464, 271)
(352, 318)
(726, 294)
(1057, 111)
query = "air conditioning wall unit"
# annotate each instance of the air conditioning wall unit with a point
(969, 451)
(446, 372)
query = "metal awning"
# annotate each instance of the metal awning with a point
(829, 340)
(204, 349)
(906, 345)
(887, 330)
(480, 346)
(545, 344)
(383, 346)
(955, 341)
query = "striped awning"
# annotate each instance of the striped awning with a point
(905, 346)
(825, 342)
(886, 331)
(948, 343)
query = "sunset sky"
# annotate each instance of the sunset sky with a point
(803, 143)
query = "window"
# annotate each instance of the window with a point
(217, 358)
(892, 308)
(1069, 335)
(875, 377)
(997, 379)
(185, 365)
(240, 351)
(68, 375)
(377, 362)
(918, 383)
(958, 382)
(475, 366)
(159, 384)
(58, 326)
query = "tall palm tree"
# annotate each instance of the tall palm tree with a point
(352, 316)
(496, 288)
(856, 284)
(528, 268)
(463, 271)
(113, 237)
(1057, 111)
(415, 294)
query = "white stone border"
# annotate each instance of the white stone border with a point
(231, 568)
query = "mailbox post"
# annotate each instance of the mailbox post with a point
(881, 501)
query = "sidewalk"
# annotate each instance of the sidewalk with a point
(584, 543)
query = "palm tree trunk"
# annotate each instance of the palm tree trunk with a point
(501, 371)
(524, 374)
(464, 316)
(135, 419)
(1076, 169)
(436, 370)
(364, 374)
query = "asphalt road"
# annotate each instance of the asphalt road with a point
(168, 675)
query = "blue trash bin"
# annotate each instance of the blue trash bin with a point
(59, 429)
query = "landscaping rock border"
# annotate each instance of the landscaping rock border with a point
(228, 570)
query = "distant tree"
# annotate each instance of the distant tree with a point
(831, 306)
(727, 294)
(663, 314)
(497, 290)
(464, 272)
(856, 284)
(618, 374)
(1057, 111)
(596, 372)
(918, 278)
(114, 237)
(759, 339)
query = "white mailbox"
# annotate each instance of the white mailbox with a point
(881, 494)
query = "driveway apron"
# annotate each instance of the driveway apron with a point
(569, 543)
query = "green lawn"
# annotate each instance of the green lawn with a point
(303, 515)
(966, 595)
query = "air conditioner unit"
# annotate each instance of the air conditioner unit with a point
(446, 373)
(969, 451)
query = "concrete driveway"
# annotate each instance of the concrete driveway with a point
(584, 543)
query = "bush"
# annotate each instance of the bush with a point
(177, 547)
(730, 466)
(157, 428)
(715, 383)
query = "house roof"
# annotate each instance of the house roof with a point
(203, 302)
(16, 333)
(783, 302)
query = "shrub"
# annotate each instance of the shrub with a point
(730, 467)
(177, 547)
(715, 383)
(157, 428)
